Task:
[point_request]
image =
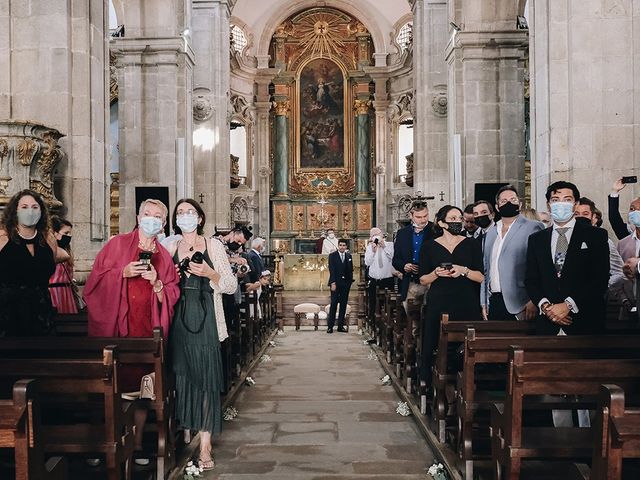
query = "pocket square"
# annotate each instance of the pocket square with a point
(583, 246)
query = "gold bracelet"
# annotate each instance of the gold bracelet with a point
(159, 289)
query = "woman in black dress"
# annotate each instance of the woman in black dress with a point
(28, 252)
(452, 265)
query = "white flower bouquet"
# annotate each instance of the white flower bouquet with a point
(437, 472)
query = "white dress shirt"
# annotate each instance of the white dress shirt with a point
(494, 271)
(382, 256)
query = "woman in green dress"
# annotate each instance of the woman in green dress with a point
(198, 325)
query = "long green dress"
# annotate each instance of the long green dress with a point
(197, 362)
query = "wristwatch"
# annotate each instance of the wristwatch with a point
(158, 290)
(466, 272)
(569, 306)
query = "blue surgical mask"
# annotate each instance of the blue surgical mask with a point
(634, 218)
(187, 222)
(28, 217)
(151, 226)
(562, 212)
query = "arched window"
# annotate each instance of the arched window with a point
(238, 148)
(405, 36)
(405, 147)
(238, 39)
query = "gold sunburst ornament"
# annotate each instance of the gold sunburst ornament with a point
(320, 35)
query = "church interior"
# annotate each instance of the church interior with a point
(301, 118)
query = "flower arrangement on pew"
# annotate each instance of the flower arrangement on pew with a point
(437, 472)
(191, 471)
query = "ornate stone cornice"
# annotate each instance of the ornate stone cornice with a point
(488, 45)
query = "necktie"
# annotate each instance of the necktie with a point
(379, 253)
(342, 257)
(561, 249)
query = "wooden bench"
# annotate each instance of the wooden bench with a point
(511, 441)
(20, 429)
(453, 334)
(476, 393)
(71, 382)
(147, 351)
(616, 434)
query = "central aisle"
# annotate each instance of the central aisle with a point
(318, 411)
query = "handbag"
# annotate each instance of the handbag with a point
(80, 303)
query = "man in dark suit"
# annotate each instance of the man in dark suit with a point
(567, 269)
(408, 243)
(340, 280)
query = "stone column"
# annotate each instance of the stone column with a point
(584, 96)
(263, 170)
(59, 79)
(210, 25)
(431, 170)
(363, 150)
(486, 107)
(382, 165)
(282, 109)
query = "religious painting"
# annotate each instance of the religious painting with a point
(280, 216)
(364, 211)
(322, 129)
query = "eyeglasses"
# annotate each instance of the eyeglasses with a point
(188, 212)
(504, 201)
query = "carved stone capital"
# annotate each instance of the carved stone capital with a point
(202, 108)
(361, 107)
(282, 108)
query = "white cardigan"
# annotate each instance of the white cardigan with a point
(226, 284)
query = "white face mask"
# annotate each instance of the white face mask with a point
(187, 223)
(151, 226)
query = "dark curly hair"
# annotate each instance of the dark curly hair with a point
(196, 206)
(440, 217)
(9, 220)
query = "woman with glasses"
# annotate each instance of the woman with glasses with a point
(451, 265)
(199, 325)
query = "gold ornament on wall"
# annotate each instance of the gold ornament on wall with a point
(282, 108)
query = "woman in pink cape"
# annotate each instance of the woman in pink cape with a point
(133, 288)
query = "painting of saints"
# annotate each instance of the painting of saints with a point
(321, 115)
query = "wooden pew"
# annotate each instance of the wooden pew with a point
(476, 394)
(74, 325)
(71, 380)
(451, 334)
(149, 351)
(20, 429)
(616, 434)
(511, 442)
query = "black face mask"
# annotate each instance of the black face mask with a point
(483, 221)
(233, 246)
(455, 228)
(65, 241)
(509, 210)
(584, 221)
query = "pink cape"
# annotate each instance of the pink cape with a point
(106, 290)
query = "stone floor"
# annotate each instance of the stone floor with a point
(318, 411)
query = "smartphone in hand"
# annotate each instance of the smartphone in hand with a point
(446, 265)
(145, 259)
(630, 179)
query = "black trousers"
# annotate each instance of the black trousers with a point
(497, 308)
(339, 296)
(374, 284)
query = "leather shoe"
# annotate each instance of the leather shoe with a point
(330, 330)
(342, 329)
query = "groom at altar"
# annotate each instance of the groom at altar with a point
(340, 280)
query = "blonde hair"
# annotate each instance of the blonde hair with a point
(157, 203)
(529, 213)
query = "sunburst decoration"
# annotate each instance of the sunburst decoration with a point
(320, 35)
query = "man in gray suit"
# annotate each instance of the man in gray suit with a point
(502, 294)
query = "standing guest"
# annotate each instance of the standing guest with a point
(132, 288)
(632, 270)
(406, 253)
(597, 213)
(199, 325)
(586, 212)
(484, 217)
(544, 218)
(567, 268)
(330, 243)
(254, 259)
(453, 269)
(469, 224)
(620, 228)
(378, 257)
(529, 213)
(28, 253)
(340, 280)
(502, 294)
(60, 283)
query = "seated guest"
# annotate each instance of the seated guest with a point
(469, 224)
(28, 253)
(620, 228)
(61, 282)
(453, 269)
(132, 288)
(502, 295)
(199, 326)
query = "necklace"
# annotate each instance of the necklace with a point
(191, 246)
(28, 238)
(151, 249)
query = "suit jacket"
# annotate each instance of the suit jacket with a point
(512, 263)
(257, 265)
(403, 253)
(585, 275)
(340, 272)
(627, 247)
(620, 228)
